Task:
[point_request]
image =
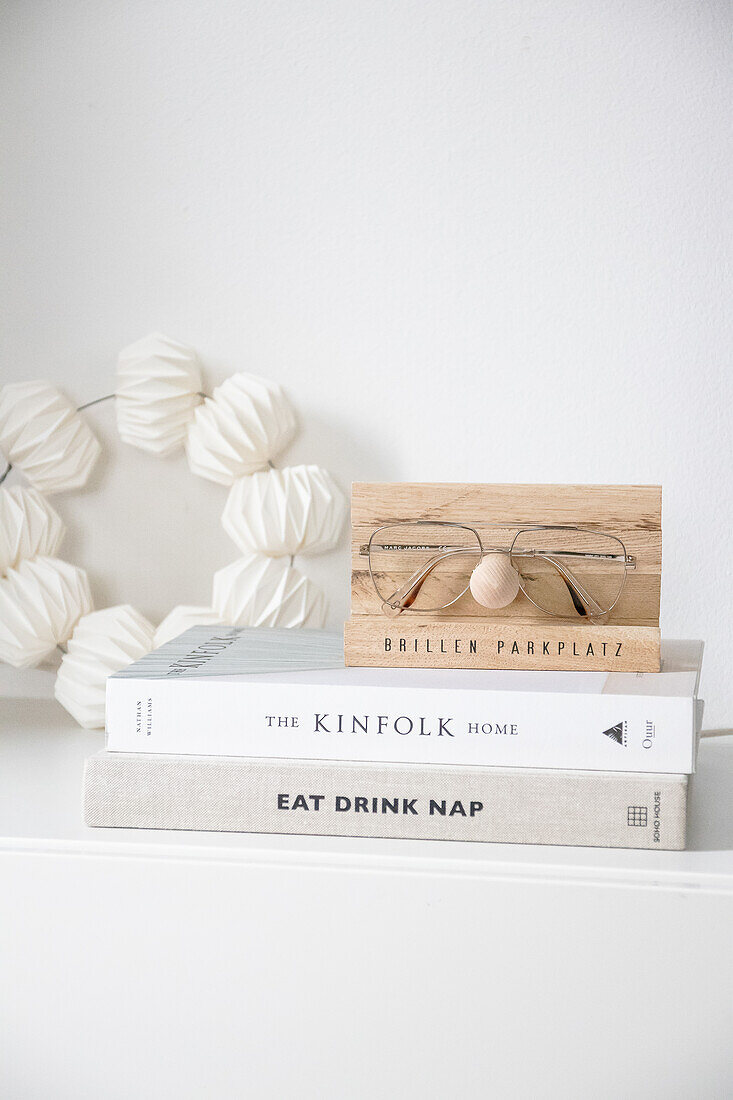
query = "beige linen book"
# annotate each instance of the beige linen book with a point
(505, 805)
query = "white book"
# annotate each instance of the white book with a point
(266, 694)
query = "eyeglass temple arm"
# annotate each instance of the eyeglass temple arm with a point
(583, 602)
(404, 596)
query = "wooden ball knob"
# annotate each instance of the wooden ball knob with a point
(495, 581)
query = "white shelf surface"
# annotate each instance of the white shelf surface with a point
(172, 965)
(42, 754)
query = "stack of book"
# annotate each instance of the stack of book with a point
(266, 731)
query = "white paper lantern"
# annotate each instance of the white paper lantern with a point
(45, 437)
(158, 388)
(259, 591)
(102, 643)
(29, 527)
(181, 618)
(40, 604)
(238, 430)
(296, 510)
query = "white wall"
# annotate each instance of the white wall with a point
(475, 241)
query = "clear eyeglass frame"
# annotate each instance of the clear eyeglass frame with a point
(558, 560)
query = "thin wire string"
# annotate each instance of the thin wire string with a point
(96, 401)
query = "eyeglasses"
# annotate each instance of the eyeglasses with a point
(566, 572)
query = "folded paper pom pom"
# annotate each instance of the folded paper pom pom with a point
(29, 527)
(102, 643)
(158, 389)
(296, 510)
(45, 437)
(238, 430)
(180, 618)
(259, 591)
(40, 604)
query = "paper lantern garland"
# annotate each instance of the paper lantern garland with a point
(40, 603)
(29, 527)
(245, 425)
(103, 642)
(158, 387)
(180, 619)
(230, 438)
(297, 510)
(260, 591)
(43, 435)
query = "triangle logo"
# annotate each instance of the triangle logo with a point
(617, 733)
